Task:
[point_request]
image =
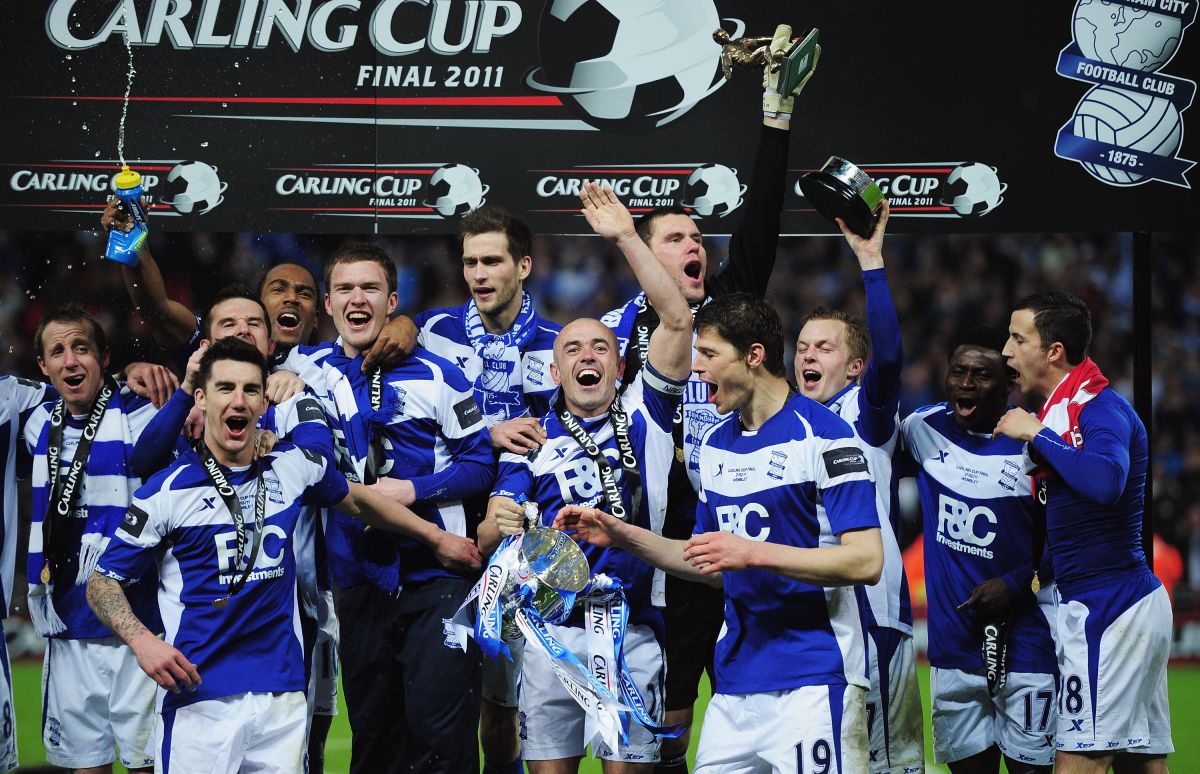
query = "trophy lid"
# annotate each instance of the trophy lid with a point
(127, 178)
(554, 559)
(841, 190)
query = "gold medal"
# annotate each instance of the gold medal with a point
(220, 603)
(1036, 585)
(45, 574)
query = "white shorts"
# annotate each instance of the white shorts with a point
(815, 728)
(323, 675)
(967, 719)
(245, 732)
(1112, 660)
(502, 678)
(552, 723)
(8, 721)
(895, 732)
(96, 698)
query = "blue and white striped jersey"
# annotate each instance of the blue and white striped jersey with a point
(299, 420)
(105, 492)
(887, 602)
(18, 399)
(764, 485)
(561, 473)
(977, 506)
(443, 332)
(179, 522)
(432, 434)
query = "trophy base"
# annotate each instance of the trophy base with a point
(842, 190)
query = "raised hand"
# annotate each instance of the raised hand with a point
(605, 213)
(869, 251)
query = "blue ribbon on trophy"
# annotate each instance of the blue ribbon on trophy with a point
(536, 578)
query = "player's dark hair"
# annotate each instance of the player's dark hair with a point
(489, 219)
(353, 252)
(70, 312)
(1060, 316)
(262, 278)
(744, 319)
(230, 291)
(230, 348)
(981, 336)
(858, 337)
(645, 223)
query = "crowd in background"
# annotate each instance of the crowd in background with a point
(940, 284)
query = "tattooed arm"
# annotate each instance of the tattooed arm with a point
(165, 665)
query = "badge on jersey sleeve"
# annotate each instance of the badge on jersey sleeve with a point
(848, 459)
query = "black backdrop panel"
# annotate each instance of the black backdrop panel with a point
(396, 116)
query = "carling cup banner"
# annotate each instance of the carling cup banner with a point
(397, 116)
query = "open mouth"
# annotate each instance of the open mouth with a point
(288, 321)
(810, 378)
(237, 426)
(358, 319)
(588, 377)
(712, 393)
(693, 269)
(965, 407)
(75, 380)
(483, 292)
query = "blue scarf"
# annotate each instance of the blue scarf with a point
(501, 380)
(355, 394)
(107, 494)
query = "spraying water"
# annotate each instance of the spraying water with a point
(125, 105)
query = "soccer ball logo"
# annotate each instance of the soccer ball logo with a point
(629, 66)
(1127, 119)
(455, 189)
(193, 183)
(973, 189)
(714, 189)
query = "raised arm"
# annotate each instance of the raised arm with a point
(171, 323)
(671, 343)
(880, 396)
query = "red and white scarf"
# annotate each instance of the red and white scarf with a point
(1061, 410)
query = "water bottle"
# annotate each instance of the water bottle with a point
(125, 247)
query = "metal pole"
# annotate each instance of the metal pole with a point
(1143, 258)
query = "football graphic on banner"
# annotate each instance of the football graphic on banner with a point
(455, 189)
(973, 189)
(714, 189)
(193, 183)
(629, 66)
(1130, 120)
